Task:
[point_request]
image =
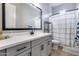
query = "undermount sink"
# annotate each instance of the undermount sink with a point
(4, 37)
(7, 36)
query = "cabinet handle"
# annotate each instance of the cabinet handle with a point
(77, 44)
(42, 47)
(21, 48)
(48, 42)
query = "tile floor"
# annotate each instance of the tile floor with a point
(60, 52)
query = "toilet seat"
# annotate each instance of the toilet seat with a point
(55, 44)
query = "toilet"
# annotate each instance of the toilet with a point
(55, 44)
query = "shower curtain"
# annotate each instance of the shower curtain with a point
(64, 27)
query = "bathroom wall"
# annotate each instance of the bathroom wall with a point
(46, 8)
(0, 16)
(77, 5)
(46, 12)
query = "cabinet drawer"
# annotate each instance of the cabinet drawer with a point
(25, 53)
(2, 53)
(38, 41)
(18, 49)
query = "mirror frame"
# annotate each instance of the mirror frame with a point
(3, 20)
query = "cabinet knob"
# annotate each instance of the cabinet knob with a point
(42, 47)
(48, 42)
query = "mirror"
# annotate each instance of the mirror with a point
(21, 16)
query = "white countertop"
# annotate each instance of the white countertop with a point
(19, 39)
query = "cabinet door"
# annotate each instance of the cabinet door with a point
(43, 49)
(36, 50)
(2, 53)
(25, 53)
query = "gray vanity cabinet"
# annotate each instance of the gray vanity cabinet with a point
(37, 47)
(2, 52)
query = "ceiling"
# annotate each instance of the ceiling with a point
(51, 4)
(55, 4)
(47, 7)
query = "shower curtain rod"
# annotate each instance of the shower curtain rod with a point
(67, 11)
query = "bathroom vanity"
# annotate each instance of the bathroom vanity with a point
(38, 44)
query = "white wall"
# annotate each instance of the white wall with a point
(0, 15)
(46, 12)
(46, 8)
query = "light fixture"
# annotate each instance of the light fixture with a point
(37, 4)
